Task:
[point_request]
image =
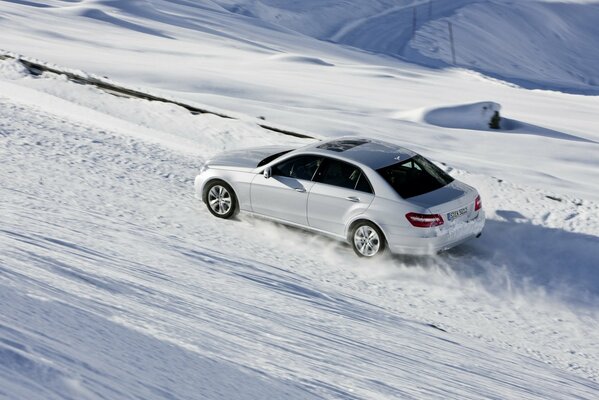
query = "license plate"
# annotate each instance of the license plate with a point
(457, 213)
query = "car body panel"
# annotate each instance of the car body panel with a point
(280, 197)
(328, 209)
(238, 180)
(433, 240)
(373, 153)
(454, 193)
(247, 158)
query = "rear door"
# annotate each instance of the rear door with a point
(284, 195)
(341, 190)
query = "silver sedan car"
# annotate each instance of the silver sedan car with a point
(372, 194)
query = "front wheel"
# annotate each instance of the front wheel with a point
(220, 199)
(367, 240)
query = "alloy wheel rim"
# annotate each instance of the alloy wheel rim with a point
(219, 199)
(367, 241)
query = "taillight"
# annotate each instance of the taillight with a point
(478, 204)
(424, 220)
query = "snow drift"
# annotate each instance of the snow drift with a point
(475, 116)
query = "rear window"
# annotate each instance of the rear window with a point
(414, 176)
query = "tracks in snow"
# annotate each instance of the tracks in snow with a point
(94, 221)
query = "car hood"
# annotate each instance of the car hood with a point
(246, 158)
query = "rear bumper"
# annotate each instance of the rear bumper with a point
(434, 240)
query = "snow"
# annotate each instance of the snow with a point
(115, 282)
(475, 116)
(12, 70)
(502, 39)
(533, 43)
(259, 67)
(43, 365)
(113, 249)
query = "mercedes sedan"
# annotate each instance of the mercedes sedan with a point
(372, 194)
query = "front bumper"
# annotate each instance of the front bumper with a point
(198, 186)
(434, 240)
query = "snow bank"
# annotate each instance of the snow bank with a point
(475, 116)
(301, 59)
(479, 116)
(12, 70)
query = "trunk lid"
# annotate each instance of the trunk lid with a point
(454, 202)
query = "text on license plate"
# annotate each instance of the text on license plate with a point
(457, 213)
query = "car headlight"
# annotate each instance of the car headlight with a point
(204, 168)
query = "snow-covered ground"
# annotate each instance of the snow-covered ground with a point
(209, 54)
(115, 282)
(107, 258)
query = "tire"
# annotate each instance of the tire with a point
(220, 199)
(367, 240)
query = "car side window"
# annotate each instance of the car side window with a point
(342, 174)
(300, 167)
(363, 185)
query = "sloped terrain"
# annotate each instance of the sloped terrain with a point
(105, 249)
(213, 56)
(116, 282)
(535, 43)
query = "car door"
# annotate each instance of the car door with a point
(284, 195)
(341, 191)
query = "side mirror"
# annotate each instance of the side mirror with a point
(267, 173)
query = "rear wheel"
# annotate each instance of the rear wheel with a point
(367, 240)
(220, 199)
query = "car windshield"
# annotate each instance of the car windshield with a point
(414, 176)
(271, 158)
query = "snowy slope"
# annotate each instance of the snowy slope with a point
(106, 258)
(534, 43)
(115, 282)
(203, 52)
(547, 45)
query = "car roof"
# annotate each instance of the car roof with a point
(370, 152)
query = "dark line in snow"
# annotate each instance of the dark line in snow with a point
(436, 327)
(37, 68)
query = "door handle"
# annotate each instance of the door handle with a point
(300, 189)
(353, 198)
